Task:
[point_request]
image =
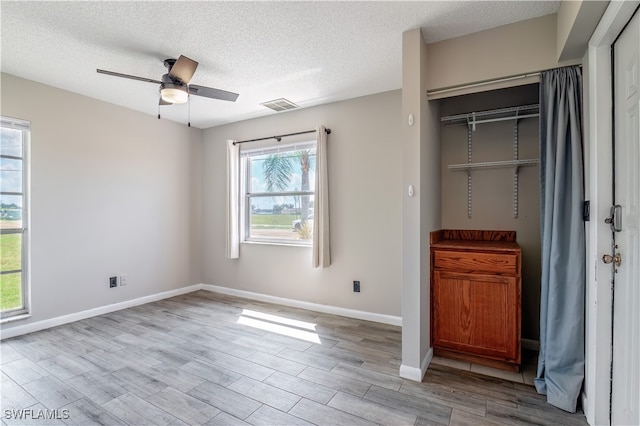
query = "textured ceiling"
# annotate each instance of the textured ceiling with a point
(308, 52)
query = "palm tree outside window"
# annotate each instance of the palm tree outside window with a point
(279, 200)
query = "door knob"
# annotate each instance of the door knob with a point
(616, 259)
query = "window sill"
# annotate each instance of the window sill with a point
(275, 243)
(19, 317)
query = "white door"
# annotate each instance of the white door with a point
(625, 404)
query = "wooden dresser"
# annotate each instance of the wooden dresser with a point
(476, 296)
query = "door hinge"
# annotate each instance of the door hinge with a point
(586, 211)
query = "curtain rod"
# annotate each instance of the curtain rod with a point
(481, 83)
(487, 82)
(279, 137)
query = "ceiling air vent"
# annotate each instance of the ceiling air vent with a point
(281, 104)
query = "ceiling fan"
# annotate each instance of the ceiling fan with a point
(175, 87)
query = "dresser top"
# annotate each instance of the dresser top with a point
(469, 239)
(503, 246)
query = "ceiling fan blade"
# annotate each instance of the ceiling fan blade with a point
(132, 77)
(163, 102)
(209, 92)
(183, 69)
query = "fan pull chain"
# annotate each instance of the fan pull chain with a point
(158, 111)
(189, 102)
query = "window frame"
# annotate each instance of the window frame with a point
(25, 128)
(245, 208)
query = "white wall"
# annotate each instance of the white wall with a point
(365, 177)
(113, 191)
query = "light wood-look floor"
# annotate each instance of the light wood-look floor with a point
(206, 358)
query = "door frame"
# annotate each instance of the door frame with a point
(598, 106)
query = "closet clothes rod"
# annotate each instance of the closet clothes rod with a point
(486, 82)
(279, 137)
(481, 83)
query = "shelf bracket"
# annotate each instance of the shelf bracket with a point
(516, 168)
(469, 137)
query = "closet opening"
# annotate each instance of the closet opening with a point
(491, 182)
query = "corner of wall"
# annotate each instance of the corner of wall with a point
(576, 21)
(416, 374)
(420, 211)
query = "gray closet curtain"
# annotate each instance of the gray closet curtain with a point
(561, 360)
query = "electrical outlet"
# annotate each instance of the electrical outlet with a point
(123, 280)
(113, 282)
(356, 286)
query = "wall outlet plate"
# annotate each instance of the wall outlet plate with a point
(113, 282)
(356, 286)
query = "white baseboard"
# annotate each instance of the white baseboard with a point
(327, 309)
(586, 408)
(77, 316)
(416, 374)
(530, 344)
(65, 319)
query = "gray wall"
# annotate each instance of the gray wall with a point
(365, 181)
(420, 212)
(113, 191)
(519, 48)
(492, 190)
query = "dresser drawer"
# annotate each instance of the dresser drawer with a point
(497, 263)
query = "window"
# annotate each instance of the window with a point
(14, 142)
(279, 185)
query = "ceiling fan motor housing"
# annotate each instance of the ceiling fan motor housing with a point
(169, 63)
(173, 91)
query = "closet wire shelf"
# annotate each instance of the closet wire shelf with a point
(471, 120)
(495, 164)
(490, 116)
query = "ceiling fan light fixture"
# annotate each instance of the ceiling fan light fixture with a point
(174, 93)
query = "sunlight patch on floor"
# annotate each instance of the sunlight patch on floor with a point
(276, 324)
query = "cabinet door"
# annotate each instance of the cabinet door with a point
(476, 314)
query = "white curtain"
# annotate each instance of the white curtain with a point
(321, 247)
(233, 200)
